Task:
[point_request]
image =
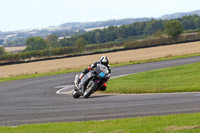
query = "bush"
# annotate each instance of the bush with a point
(105, 45)
(2, 51)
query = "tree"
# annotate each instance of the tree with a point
(10, 43)
(197, 22)
(36, 43)
(98, 38)
(80, 43)
(110, 34)
(2, 51)
(137, 29)
(153, 26)
(158, 34)
(53, 41)
(65, 42)
(122, 31)
(188, 22)
(89, 36)
(173, 28)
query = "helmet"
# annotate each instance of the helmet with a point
(104, 60)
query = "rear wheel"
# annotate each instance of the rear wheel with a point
(89, 89)
(75, 94)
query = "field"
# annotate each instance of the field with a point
(183, 123)
(15, 49)
(183, 78)
(84, 61)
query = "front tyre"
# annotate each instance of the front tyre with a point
(75, 94)
(90, 89)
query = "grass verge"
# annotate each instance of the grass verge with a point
(183, 78)
(181, 123)
(112, 65)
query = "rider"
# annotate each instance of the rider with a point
(103, 60)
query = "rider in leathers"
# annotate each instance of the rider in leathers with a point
(103, 60)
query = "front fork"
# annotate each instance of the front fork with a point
(76, 81)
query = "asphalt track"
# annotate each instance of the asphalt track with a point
(35, 100)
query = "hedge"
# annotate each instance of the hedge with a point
(162, 41)
(37, 54)
(105, 45)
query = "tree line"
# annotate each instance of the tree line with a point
(120, 33)
(117, 33)
(114, 34)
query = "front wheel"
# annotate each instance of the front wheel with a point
(90, 89)
(75, 94)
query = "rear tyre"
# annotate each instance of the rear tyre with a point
(75, 94)
(89, 89)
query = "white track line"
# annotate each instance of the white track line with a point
(121, 76)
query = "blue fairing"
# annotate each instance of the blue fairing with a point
(102, 74)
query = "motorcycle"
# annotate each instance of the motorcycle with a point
(91, 82)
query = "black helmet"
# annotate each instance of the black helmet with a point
(104, 60)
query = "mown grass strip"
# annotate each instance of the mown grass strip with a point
(112, 65)
(181, 123)
(183, 78)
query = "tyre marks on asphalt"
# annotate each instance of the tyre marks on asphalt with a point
(68, 89)
(65, 89)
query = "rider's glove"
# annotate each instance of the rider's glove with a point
(89, 68)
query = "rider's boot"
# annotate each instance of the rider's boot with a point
(103, 88)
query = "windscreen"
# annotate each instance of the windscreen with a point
(103, 68)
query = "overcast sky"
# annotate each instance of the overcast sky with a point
(29, 14)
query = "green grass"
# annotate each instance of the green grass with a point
(112, 65)
(182, 123)
(174, 79)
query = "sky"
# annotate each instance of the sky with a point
(31, 14)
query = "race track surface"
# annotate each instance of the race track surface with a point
(35, 100)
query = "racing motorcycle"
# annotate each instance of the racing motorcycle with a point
(91, 82)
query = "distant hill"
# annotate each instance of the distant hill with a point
(85, 25)
(179, 15)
